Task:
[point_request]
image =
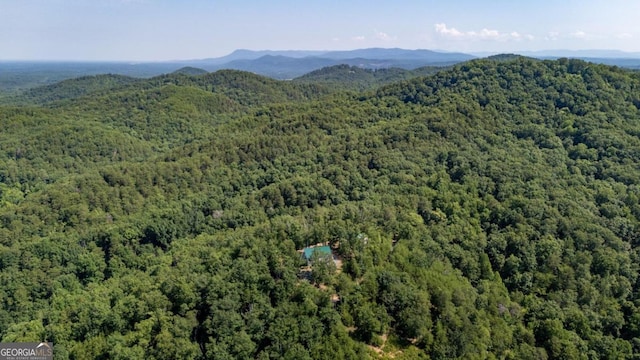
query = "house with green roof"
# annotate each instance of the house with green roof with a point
(324, 250)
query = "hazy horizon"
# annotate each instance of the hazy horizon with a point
(584, 53)
(165, 30)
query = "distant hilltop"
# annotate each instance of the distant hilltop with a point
(369, 53)
(289, 64)
(282, 64)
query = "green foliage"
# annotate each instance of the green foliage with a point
(490, 210)
(77, 87)
(355, 78)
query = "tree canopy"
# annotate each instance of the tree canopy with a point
(489, 210)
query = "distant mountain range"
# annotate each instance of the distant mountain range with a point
(598, 54)
(577, 54)
(289, 64)
(286, 64)
(293, 63)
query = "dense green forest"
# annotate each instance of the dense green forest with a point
(347, 77)
(490, 210)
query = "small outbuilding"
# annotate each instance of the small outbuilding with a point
(325, 250)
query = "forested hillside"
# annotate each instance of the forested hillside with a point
(355, 78)
(487, 211)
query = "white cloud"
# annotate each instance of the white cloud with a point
(624, 36)
(377, 35)
(451, 32)
(384, 36)
(590, 36)
(578, 34)
(552, 35)
(489, 34)
(484, 34)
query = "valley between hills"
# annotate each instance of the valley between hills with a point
(488, 209)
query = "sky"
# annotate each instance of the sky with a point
(160, 30)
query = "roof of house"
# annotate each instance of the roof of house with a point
(308, 252)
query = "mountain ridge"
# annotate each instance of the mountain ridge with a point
(18, 76)
(489, 210)
(290, 64)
